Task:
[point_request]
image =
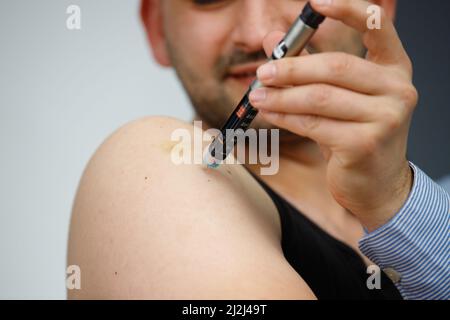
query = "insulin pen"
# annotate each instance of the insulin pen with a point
(292, 44)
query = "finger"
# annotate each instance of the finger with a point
(271, 40)
(383, 45)
(326, 132)
(339, 69)
(321, 100)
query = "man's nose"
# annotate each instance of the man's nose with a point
(256, 18)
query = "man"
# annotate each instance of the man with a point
(345, 196)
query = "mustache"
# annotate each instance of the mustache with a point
(224, 63)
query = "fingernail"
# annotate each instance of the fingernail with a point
(266, 71)
(323, 2)
(258, 95)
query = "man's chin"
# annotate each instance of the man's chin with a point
(236, 87)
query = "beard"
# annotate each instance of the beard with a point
(211, 98)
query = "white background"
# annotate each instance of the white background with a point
(61, 93)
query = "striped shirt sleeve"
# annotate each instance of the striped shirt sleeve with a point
(415, 242)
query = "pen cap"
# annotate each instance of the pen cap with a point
(311, 17)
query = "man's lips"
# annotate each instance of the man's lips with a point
(245, 69)
(244, 73)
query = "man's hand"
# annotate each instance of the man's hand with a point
(358, 111)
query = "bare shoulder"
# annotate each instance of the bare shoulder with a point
(144, 227)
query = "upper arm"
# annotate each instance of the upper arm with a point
(143, 227)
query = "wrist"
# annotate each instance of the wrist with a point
(395, 199)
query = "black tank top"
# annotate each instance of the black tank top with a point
(332, 269)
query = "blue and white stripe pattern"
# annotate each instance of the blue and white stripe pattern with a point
(415, 242)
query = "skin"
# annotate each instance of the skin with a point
(139, 231)
(341, 180)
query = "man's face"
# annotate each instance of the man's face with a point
(215, 46)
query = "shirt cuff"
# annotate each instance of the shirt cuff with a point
(414, 244)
